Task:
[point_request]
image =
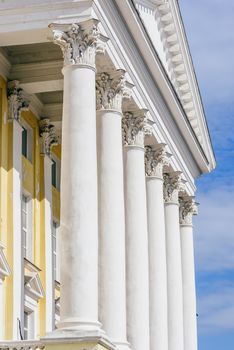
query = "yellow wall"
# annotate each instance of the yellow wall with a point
(33, 184)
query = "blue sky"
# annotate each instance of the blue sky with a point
(210, 29)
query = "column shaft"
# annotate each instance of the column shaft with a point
(189, 294)
(155, 159)
(50, 304)
(79, 234)
(157, 264)
(18, 260)
(174, 272)
(112, 284)
(187, 209)
(137, 265)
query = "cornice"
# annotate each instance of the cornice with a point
(180, 68)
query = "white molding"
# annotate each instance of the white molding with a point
(178, 64)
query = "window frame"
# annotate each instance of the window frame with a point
(26, 226)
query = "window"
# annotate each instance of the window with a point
(27, 142)
(28, 325)
(56, 173)
(26, 227)
(24, 142)
(53, 173)
(55, 250)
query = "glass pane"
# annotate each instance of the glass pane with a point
(24, 142)
(53, 173)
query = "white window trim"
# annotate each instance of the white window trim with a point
(29, 228)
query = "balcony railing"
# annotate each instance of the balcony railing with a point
(22, 345)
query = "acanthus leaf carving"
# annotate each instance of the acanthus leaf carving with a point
(48, 136)
(79, 42)
(111, 89)
(17, 101)
(172, 186)
(135, 127)
(188, 208)
(155, 160)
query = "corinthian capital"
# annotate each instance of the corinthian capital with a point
(48, 137)
(135, 127)
(188, 208)
(17, 101)
(155, 160)
(79, 42)
(172, 185)
(111, 89)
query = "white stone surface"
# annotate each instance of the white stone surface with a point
(112, 282)
(79, 233)
(157, 252)
(137, 266)
(50, 305)
(174, 269)
(189, 291)
(18, 280)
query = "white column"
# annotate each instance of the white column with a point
(134, 129)
(47, 138)
(18, 261)
(79, 222)
(188, 208)
(112, 281)
(174, 272)
(155, 159)
(50, 292)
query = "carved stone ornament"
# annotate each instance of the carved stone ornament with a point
(188, 208)
(172, 186)
(111, 89)
(48, 136)
(17, 101)
(155, 160)
(135, 127)
(79, 42)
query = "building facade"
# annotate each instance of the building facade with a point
(102, 136)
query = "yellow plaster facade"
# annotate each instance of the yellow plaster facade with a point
(32, 183)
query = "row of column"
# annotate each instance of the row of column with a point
(121, 248)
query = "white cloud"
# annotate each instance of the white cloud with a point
(216, 309)
(214, 231)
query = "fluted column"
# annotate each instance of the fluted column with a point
(174, 272)
(134, 130)
(79, 224)
(155, 159)
(188, 208)
(110, 90)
